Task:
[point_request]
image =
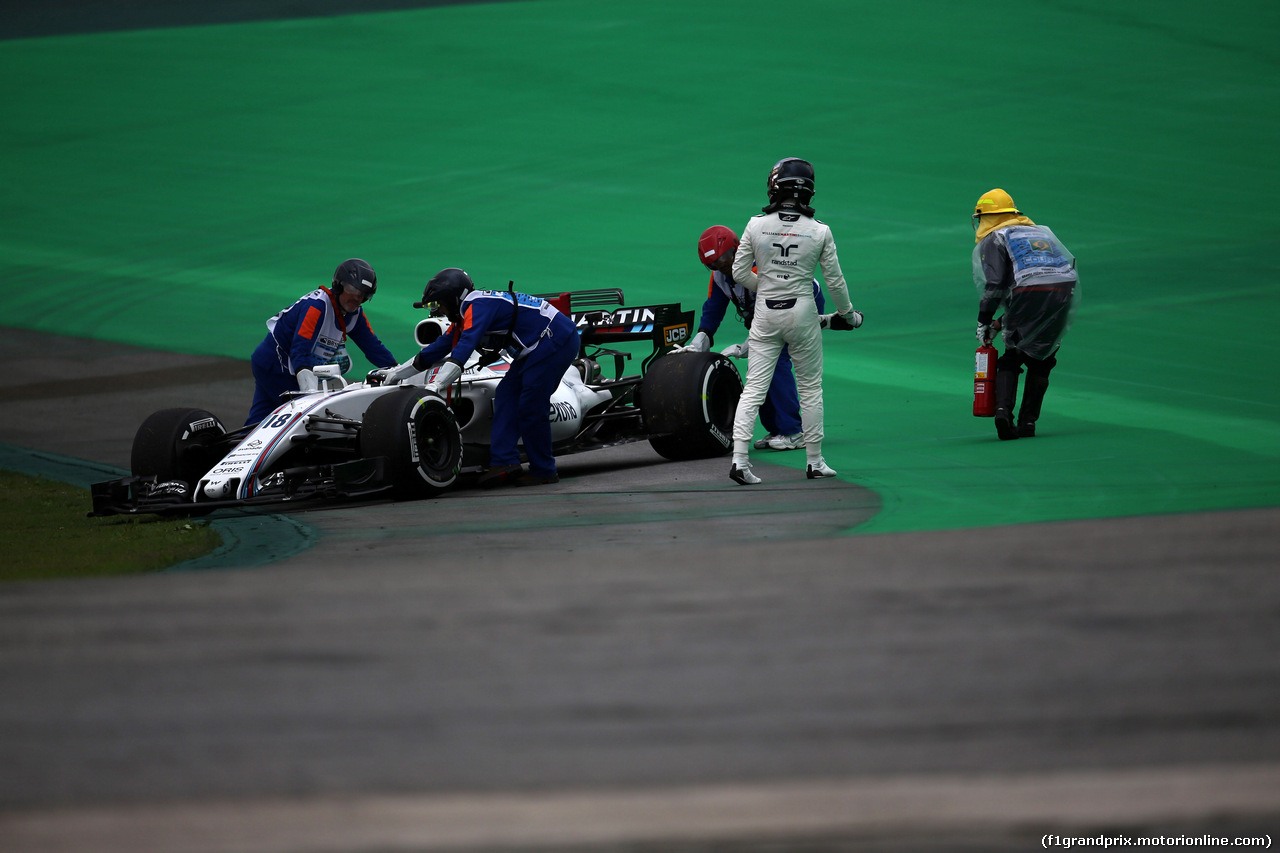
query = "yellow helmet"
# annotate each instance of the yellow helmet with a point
(995, 201)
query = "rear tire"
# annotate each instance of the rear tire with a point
(178, 444)
(419, 435)
(688, 401)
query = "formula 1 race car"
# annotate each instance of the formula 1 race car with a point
(351, 440)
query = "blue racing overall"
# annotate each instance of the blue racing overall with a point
(542, 343)
(308, 333)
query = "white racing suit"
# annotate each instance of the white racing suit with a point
(786, 247)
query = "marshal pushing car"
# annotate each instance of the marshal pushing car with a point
(351, 440)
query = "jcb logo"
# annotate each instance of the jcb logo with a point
(785, 251)
(675, 334)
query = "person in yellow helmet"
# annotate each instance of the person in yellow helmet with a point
(1024, 268)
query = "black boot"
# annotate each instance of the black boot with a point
(1032, 398)
(1006, 397)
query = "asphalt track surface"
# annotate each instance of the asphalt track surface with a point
(641, 657)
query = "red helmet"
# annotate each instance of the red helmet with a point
(714, 242)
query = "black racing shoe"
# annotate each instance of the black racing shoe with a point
(1026, 429)
(1004, 425)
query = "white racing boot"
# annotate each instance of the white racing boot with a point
(819, 469)
(740, 470)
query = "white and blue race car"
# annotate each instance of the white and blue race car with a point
(351, 440)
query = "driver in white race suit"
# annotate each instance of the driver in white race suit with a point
(780, 412)
(781, 248)
(542, 342)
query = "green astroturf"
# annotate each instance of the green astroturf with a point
(174, 188)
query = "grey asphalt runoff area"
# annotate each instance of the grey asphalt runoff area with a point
(643, 657)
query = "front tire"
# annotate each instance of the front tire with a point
(419, 435)
(178, 444)
(688, 401)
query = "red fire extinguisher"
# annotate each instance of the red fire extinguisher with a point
(984, 382)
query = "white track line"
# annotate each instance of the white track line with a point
(1034, 802)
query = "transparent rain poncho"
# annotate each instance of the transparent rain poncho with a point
(1045, 290)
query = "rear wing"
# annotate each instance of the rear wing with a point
(602, 318)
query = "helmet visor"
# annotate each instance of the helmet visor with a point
(722, 262)
(363, 294)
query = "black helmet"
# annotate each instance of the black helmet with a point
(790, 183)
(357, 276)
(445, 292)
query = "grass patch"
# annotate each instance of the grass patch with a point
(48, 535)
